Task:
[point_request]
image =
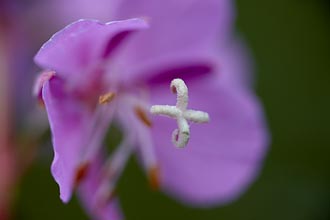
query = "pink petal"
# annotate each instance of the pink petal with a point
(70, 122)
(222, 157)
(235, 64)
(76, 51)
(181, 32)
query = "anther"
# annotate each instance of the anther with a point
(154, 179)
(106, 98)
(81, 173)
(41, 103)
(180, 136)
(39, 83)
(142, 115)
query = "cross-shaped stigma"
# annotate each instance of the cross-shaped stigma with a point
(180, 136)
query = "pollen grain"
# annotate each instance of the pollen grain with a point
(142, 115)
(106, 98)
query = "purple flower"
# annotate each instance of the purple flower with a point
(71, 94)
(98, 73)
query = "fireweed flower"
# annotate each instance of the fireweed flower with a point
(98, 73)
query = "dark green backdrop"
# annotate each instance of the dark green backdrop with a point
(290, 40)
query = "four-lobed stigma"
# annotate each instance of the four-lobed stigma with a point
(181, 135)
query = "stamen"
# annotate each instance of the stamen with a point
(112, 170)
(104, 195)
(41, 103)
(154, 179)
(180, 136)
(106, 98)
(81, 173)
(142, 115)
(39, 83)
(142, 136)
(101, 120)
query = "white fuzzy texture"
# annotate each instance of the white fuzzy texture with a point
(180, 136)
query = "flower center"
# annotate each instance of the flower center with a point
(140, 135)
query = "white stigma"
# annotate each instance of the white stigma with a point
(181, 135)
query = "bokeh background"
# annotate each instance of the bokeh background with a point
(290, 42)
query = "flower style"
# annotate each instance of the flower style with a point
(96, 73)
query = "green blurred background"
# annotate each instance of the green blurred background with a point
(290, 41)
